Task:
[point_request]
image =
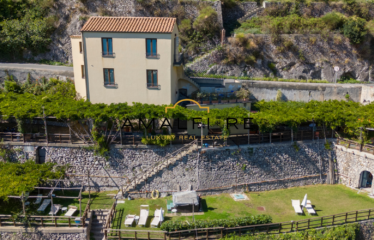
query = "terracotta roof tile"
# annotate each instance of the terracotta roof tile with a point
(130, 24)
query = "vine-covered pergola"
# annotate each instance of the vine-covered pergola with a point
(353, 117)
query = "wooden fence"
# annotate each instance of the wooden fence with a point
(355, 145)
(44, 221)
(214, 139)
(271, 228)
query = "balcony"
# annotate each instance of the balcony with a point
(108, 54)
(152, 86)
(178, 59)
(152, 55)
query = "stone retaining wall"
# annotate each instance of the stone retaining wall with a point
(42, 236)
(279, 165)
(351, 163)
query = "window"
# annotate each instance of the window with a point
(107, 47)
(152, 79)
(82, 70)
(151, 45)
(109, 76)
(80, 47)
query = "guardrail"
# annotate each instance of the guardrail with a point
(213, 139)
(355, 145)
(109, 219)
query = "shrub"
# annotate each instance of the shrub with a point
(250, 59)
(354, 29)
(242, 93)
(312, 40)
(206, 23)
(279, 96)
(228, 3)
(234, 222)
(12, 86)
(334, 20)
(337, 39)
(272, 67)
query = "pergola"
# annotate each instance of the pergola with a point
(52, 195)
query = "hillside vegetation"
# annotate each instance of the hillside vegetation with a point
(24, 24)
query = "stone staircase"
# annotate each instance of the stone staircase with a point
(98, 222)
(250, 14)
(171, 158)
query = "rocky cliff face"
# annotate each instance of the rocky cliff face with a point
(308, 57)
(72, 15)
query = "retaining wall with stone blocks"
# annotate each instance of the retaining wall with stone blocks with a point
(278, 164)
(351, 163)
(42, 236)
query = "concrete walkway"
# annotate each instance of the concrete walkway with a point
(35, 67)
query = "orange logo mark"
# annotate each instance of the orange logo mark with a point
(186, 100)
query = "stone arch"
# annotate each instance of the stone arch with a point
(364, 175)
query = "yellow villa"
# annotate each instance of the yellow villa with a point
(129, 59)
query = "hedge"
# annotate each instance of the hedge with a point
(234, 222)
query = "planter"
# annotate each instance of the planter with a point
(232, 101)
(206, 102)
(214, 101)
(243, 100)
(224, 101)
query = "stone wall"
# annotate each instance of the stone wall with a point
(261, 90)
(20, 74)
(310, 57)
(366, 230)
(42, 236)
(278, 165)
(351, 163)
(318, 9)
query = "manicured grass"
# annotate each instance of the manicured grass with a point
(326, 199)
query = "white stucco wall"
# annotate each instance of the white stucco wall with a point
(130, 65)
(78, 61)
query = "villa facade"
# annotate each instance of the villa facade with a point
(129, 59)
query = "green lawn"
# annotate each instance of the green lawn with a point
(326, 199)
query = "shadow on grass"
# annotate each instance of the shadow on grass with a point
(205, 207)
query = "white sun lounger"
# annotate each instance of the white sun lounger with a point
(44, 205)
(71, 211)
(144, 211)
(38, 199)
(54, 209)
(309, 207)
(157, 219)
(129, 220)
(296, 206)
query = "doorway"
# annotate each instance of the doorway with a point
(366, 179)
(183, 92)
(41, 155)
